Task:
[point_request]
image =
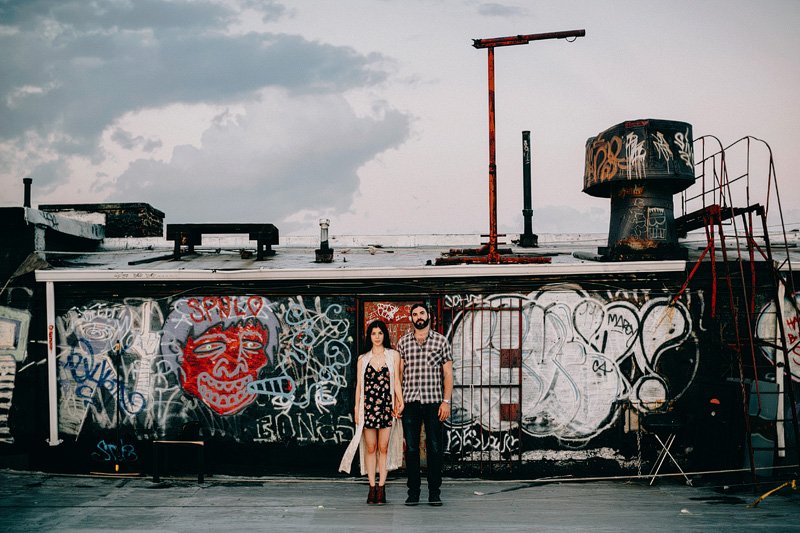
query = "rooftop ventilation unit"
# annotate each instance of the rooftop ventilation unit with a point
(640, 165)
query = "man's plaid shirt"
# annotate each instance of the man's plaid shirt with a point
(422, 366)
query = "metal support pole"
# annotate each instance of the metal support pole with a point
(52, 391)
(493, 255)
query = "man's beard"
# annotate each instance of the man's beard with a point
(422, 324)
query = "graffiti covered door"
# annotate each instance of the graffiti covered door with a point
(395, 315)
(484, 429)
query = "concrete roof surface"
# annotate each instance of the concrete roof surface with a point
(46, 502)
(224, 252)
(391, 256)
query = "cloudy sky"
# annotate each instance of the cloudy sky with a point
(372, 113)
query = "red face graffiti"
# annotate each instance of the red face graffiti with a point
(219, 364)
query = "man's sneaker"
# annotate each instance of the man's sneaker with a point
(436, 501)
(412, 499)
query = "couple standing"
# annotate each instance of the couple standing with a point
(415, 384)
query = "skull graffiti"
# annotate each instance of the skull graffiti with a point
(218, 365)
(218, 345)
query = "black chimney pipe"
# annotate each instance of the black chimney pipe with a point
(26, 202)
(527, 239)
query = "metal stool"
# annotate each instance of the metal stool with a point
(667, 424)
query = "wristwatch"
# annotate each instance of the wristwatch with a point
(446, 401)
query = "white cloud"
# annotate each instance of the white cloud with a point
(282, 154)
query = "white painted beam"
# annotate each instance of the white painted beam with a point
(63, 224)
(52, 390)
(347, 273)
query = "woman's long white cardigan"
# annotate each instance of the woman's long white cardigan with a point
(394, 457)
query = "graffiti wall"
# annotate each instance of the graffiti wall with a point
(563, 364)
(244, 368)
(561, 371)
(768, 333)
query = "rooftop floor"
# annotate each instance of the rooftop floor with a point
(43, 502)
(363, 257)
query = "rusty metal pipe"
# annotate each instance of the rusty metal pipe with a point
(525, 39)
(492, 166)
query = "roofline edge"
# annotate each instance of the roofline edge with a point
(449, 271)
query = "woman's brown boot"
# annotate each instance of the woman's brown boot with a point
(380, 497)
(372, 497)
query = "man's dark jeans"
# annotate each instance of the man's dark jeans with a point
(414, 415)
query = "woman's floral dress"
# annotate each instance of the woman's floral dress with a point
(377, 398)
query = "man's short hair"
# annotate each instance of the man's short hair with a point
(419, 304)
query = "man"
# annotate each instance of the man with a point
(426, 364)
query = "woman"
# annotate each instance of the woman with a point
(379, 400)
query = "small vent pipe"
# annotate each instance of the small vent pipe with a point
(26, 201)
(325, 253)
(527, 239)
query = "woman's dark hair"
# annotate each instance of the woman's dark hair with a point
(381, 325)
